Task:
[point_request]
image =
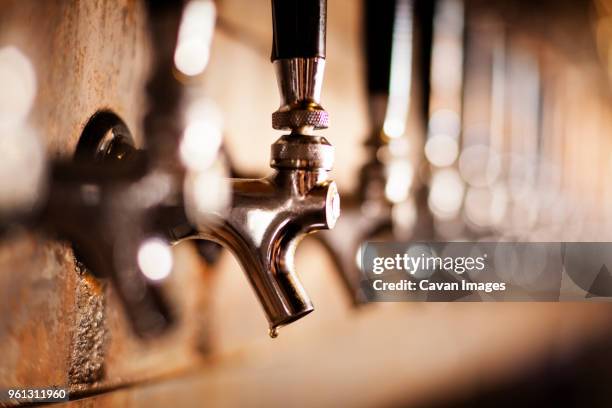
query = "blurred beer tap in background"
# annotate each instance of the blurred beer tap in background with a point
(389, 200)
(482, 124)
(523, 131)
(520, 93)
(446, 188)
(474, 104)
(493, 165)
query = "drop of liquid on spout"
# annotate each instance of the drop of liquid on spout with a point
(273, 332)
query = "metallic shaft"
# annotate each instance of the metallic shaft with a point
(299, 84)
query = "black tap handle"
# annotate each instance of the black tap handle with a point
(379, 21)
(299, 28)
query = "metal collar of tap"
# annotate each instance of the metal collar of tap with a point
(297, 151)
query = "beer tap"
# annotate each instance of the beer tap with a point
(446, 187)
(382, 207)
(268, 217)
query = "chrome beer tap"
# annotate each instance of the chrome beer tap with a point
(268, 217)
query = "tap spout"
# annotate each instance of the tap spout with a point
(269, 217)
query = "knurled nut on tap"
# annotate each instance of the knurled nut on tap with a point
(297, 118)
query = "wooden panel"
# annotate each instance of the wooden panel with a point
(59, 326)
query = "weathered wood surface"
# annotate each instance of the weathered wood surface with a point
(58, 325)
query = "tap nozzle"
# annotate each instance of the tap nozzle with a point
(269, 217)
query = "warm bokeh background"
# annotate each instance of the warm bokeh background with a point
(90, 55)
